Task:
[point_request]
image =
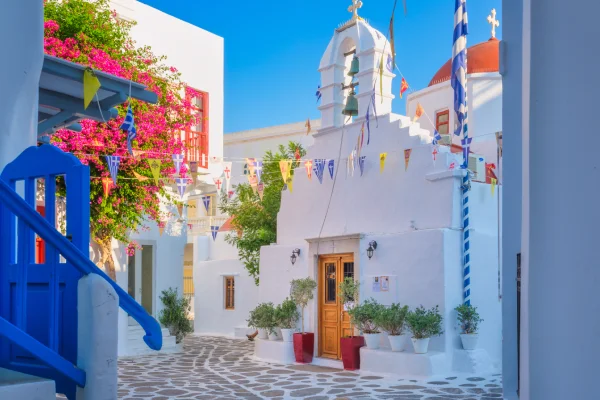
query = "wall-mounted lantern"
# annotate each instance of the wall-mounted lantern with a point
(371, 249)
(294, 256)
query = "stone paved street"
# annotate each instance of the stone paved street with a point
(218, 368)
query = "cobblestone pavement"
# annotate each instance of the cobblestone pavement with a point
(219, 368)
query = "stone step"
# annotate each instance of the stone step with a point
(137, 331)
(15, 385)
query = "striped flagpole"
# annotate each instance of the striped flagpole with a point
(459, 84)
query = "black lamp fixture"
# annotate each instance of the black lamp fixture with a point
(371, 249)
(294, 256)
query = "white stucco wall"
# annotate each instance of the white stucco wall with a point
(485, 110)
(22, 22)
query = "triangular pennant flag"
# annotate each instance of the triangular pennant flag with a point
(113, 166)
(253, 180)
(129, 126)
(194, 171)
(181, 185)
(227, 169)
(493, 185)
(419, 112)
(180, 210)
(91, 84)
(381, 78)
(406, 158)
(214, 230)
(218, 183)
(434, 154)
(177, 161)
(138, 153)
(190, 227)
(330, 166)
(161, 228)
(382, 158)
(361, 164)
(369, 123)
(392, 37)
(307, 126)
(297, 155)
(308, 165)
(403, 87)
(206, 201)
(319, 167)
(107, 184)
(284, 167)
(139, 177)
(258, 170)
(250, 162)
(261, 189)
(230, 193)
(290, 183)
(155, 169)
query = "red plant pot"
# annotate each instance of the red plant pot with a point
(304, 345)
(351, 351)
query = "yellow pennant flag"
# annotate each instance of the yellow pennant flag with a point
(290, 183)
(161, 229)
(406, 158)
(253, 180)
(180, 210)
(493, 182)
(139, 177)
(91, 84)
(107, 184)
(382, 158)
(381, 78)
(284, 167)
(155, 168)
(418, 112)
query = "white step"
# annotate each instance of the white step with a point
(134, 332)
(137, 347)
(15, 385)
(242, 331)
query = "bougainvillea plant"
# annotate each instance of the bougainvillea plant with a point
(89, 33)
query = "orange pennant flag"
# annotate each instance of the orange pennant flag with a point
(139, 177)
(307, 126)
(403, 87)
(107, 184)
(418, 112)
(180, 210)
(308, 166)
(406, 158)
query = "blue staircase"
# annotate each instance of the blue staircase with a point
(38, 302)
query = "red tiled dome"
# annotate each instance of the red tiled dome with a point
(483, 57)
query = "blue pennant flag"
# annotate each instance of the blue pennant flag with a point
(361, 164)
(319, 167)
(129, 126)
(369, 124)
(113, 166)
(214, 230)
(389, 65)
(318, 94)
(436, 137)
(466, 143)
(258, 169)
(206, 201)
(178, 161)
(458, 77)
(330, 165)
(374, 109)
(181, 185)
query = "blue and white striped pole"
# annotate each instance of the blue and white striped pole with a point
(459, 84)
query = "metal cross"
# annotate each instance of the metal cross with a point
(491, 19)
(356, 4)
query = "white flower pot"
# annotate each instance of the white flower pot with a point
(372, 340)
(420, 345)
(273, 335)
(287, 335)
(398, 342)
(262, 333)
(469, 341)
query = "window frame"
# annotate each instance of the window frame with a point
(229, 292)
(439, 114)
(196, 142)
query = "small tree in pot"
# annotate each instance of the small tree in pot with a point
(364, 317)
(262, 318)
(391, 320)
(175, 314)
(287, 315)
(302, 291)
(348, 291)
(469, 320)
(424, 324)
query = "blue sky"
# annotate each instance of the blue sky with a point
(273, 48)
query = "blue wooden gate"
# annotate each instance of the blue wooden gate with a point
(41, 299)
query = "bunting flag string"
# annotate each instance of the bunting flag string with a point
(181, 185)
(319, 167)
(139, 177)
(331, 166)
(206, 201)
(361, 164)
(113, 166)
(91, 85)
(154, 165)
(106, 186)
(284, 167)
(258, 170)
(308, 165)
(178, 162)
(261, 190)
(214, 230)
(382, 158)
(407, 153)
(194, 171)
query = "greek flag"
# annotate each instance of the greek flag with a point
(129, 126)
(459, 65)
(436, 137)
(113, 166)
(181, 185)
(318, 94)
(214, 230)
(177, 161)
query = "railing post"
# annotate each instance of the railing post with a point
(97, 309)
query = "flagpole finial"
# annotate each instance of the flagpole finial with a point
(491, 19)
(356, 4)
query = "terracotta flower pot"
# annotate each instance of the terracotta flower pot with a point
(304, 345)
(351, 351)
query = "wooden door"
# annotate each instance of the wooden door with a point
(334, 322)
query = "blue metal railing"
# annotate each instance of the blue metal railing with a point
(13, 202)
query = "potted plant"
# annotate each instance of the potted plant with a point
(304, 343)
(286, 315)
(469, 322)
(364, 317)
(348, 291)
(391, 320)
(174, 316)
(424, 324)
(261, 317)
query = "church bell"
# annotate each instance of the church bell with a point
(353, 67)
(351, 108)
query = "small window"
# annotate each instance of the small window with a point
(229, 293)
(442, 122)
(330, 283)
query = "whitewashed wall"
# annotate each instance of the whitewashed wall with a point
(485, 110)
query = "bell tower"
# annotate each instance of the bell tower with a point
(350, 70)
